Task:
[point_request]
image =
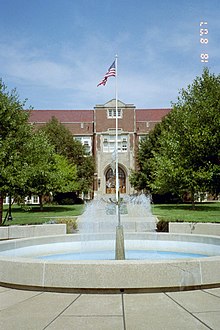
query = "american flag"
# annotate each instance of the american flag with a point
(110, 73)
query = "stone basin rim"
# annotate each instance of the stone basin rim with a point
(110, 275)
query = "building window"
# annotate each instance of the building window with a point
(112, 113)
(87, 146)
(142, 138)
(28, 200)
(35, 199)
(109, 142)
(124, 146)
(86, 142)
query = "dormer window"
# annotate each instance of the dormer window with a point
(112, 113)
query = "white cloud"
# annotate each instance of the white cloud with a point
(32, 66)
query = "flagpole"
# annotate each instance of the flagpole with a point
(116, 130)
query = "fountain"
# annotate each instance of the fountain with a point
(109, 216)
(39, 263)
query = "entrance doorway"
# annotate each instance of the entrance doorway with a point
(110, 180)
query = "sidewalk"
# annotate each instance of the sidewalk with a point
(185, 310)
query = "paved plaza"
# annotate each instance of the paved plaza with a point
(35, 310)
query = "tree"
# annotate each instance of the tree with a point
(142, 178)
(188, 157)
(14, 132)
(28, 162)
(73, 150)
(48, 171)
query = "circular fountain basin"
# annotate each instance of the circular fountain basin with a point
(30, 263)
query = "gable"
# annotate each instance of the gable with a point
(112, 103)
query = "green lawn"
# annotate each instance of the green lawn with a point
(204, 212)
(33, 215)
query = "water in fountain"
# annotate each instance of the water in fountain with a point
(139, 217)
(96, 218)
(100, 216)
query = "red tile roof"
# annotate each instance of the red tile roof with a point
(87, 116)
(151, 114)
(64, 116)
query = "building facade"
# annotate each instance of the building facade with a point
(96, 130)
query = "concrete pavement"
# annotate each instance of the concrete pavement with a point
(34, 310)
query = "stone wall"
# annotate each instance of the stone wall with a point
(195, 228)
(10, 232)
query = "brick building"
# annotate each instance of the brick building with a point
(96, 131)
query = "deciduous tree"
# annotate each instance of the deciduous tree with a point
(66, 145)
(187, 156)
(14, 133)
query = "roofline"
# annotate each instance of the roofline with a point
(155, 109)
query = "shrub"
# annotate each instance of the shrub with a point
(68, 198)
(162, 226)
(71, 224)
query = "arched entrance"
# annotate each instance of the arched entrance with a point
(110, 180)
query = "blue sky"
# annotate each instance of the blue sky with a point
(56, 51)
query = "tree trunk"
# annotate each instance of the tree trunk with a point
(1, 208)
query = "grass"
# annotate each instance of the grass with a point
(32, 214)
(203, 212)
